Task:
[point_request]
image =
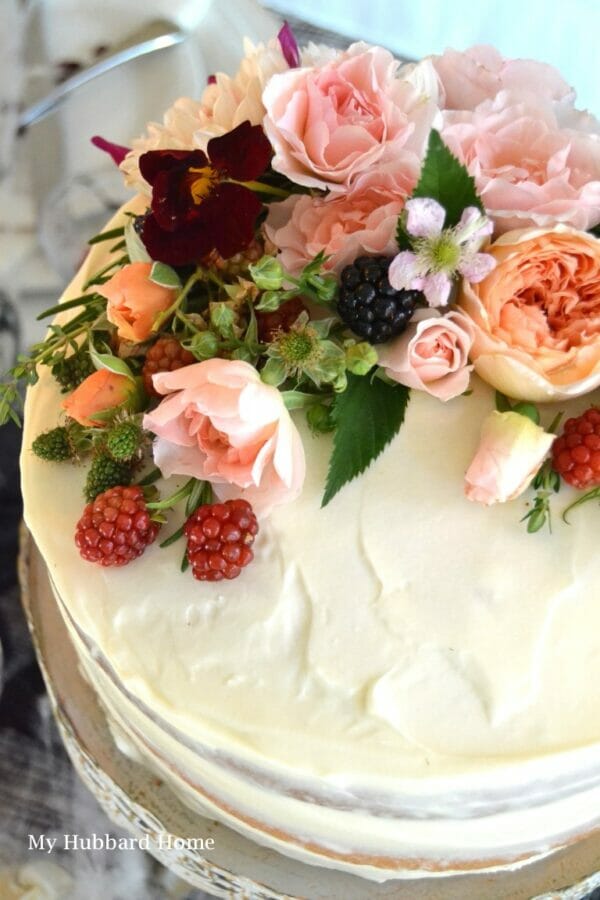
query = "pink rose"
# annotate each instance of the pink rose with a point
(134, 301)
(511, 450)
(220, 423)
(529, 169)
(432, 354)
(329, 123)
(344, 226)
(480, 73)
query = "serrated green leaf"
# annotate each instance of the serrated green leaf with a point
(367, 415)
(162, 274)
(445, 179)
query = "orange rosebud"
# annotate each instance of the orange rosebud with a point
(134, 301)
(102, 390)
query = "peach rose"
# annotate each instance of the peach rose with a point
(511, 450)
(134, 301)
(329, 123)
(220, 423)
(101, 391)
(478, 74)
(344, 226)
(534, 162)
(432, 354)
(537, 315)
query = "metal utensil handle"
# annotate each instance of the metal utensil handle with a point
(47, 104)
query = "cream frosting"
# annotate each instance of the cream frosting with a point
(402, 651)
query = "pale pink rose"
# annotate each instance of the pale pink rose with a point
(226, 102)
(220, 423)
(537, 315)
(432, 355)
(529, 169)
(327, 124)
(480, 73)
(511, 450)
(134, 301)
(344, 226)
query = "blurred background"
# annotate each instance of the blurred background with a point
(56, 190)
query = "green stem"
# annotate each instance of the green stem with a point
(594, 494)
(168, 502)
(259, 188)
(68, 304)
(160, 319)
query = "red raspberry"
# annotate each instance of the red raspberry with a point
(115, 527)
(165, 355)
(576, 453)
(219, 536)
(282, 319)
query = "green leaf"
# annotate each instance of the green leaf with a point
(222, 319)
(445, 179)
(135, 246)
(106, 236)
(367, 415)
(162, 274)
(204, 345)
(271, 300)
(267, 274)
(273, 372)
(299, 399)
(110, 362)
(503, 404)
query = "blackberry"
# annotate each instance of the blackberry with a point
(105, 473)
(70, 372)
(369, 305)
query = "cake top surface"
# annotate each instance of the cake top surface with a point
(339, 353)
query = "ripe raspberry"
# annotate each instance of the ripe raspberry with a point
(576, 453)
(219, 536)
(116, 527)
(166, 355)
(270, 324)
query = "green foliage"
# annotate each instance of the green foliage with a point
(367, 415)
(446, 180)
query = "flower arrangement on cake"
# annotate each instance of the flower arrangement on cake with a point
(327, 232)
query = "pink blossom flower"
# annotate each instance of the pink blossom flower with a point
(439, 253)
(344, 226)
(480, 73)
(511, 450)
(220, 423)
(432, 354)
(329, 123)
(534, 162)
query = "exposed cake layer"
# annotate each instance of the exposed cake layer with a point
(400, 656)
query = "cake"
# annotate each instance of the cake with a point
(401, 681)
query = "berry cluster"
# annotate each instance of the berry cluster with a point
(219, 536)
(116, 527)
(166, 355)
(576, 453)
(369, 305)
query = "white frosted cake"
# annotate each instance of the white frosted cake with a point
(403, 680)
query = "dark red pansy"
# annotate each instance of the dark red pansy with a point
(198, 203)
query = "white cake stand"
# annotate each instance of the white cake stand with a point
(135, 799)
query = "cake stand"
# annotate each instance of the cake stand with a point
(137, 800)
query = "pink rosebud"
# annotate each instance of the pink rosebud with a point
(511, 450)
(98, 393)
(220, 423)
(432, 354)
